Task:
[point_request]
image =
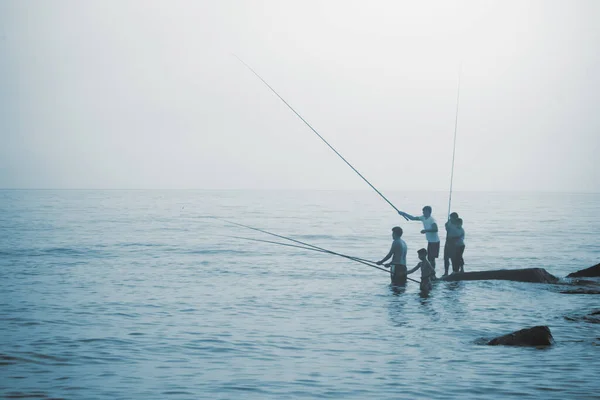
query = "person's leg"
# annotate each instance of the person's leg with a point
(447, 254)
(433, 251)
(461, 261)
(399, 276)
(425, 284)
(455, 259)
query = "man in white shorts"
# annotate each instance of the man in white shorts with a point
(430, 230)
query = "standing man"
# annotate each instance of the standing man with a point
(430, 230)
(459, 249)
(398, 254)
(452, 235)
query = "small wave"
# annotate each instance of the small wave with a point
(54, 251)
(180, 392)
(224, 251)
(6, 359)
(26, 395)
(246, 389)
(104, 340)
(135, 244)
(315, 237)
(47, 357)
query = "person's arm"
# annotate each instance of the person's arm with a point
(410, 217)
(413, 269)
(434, 228)
(453, 233)
(386, 257)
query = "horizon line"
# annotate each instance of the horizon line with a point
(305, 190)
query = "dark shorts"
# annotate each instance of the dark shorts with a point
(433, 249)
(398, 274)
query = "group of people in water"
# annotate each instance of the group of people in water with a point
(454, 248)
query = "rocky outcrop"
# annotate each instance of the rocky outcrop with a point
(536, 336)
(581, 291)
(588, 272)
(535, 275)
(593, 317)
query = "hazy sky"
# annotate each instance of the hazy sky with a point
(146, 94)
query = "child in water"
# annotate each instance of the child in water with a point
(427, 271)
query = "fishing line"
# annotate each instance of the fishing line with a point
(317, 133)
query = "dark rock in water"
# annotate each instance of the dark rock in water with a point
(588, 272)
(593, 317)
(535, 275)
(584, 282)
(536, 336)
(581, 291)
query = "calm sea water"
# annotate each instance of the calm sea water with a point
(136, 295)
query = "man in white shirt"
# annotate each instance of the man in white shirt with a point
(398, 254)
(430, 230)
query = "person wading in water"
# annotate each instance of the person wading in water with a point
(398, 254)
(430, 230)
(427, 272)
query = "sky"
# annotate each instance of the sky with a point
(147, 94)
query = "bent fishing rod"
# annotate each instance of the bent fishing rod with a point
(288, 238)
(454, 145)
(324, 251)
(317, 133)
(284, 237)
(309, 246)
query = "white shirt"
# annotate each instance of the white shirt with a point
(399, 251)
(432, 237)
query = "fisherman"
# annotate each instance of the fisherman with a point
(430, 230)
(458, 262)
(452, 235)
(427, 271)
(398, 254)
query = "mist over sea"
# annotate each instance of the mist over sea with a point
(115, 294)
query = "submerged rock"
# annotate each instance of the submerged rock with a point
(588, 272)
(536, 336)
(535, 275)
(581, 291)
(593, 317)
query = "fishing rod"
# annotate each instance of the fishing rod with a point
(287, 238)
(314, 249)
(454, 146)
(310, 246)
(317, 133)
(360, 260)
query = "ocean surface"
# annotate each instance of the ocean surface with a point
(140, 295)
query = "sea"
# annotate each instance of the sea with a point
(144, 294)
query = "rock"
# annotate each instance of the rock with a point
(584, 282)
(581, 291)
(536, 336)
(593, 317)
(535, 275)
(588, 272)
